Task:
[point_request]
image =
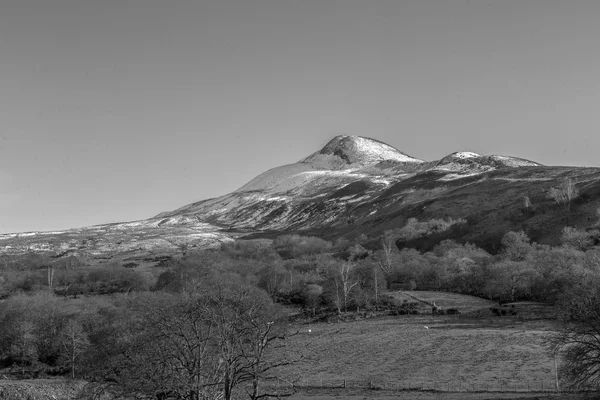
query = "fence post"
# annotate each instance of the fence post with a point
(371, 385)
(344, 384)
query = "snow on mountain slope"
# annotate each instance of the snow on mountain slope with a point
(155, 235)
(514, 161)
(353, 152)
(354, 167)
(350, 180)
(280, 179)
(465, 154)
(302, 180)
(471, 163)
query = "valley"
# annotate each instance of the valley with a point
(356, 271)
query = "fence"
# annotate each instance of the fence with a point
(429, 386)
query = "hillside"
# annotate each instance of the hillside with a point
(352, 186)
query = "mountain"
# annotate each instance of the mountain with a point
(354, 185)
(329, 187)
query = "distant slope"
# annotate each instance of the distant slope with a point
(137, 239)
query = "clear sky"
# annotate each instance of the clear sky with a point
(116, 110)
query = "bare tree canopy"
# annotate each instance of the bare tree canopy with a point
(564, 193)
(579, 337)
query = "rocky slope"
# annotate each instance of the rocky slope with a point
(353, 185)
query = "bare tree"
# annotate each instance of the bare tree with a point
(527, 205)
(159, 346)
(386, 254)
(564, 194)
(376, 282)
(247, 325)
(74, 342)
(347, 281)
(579, 333)
(50, 270)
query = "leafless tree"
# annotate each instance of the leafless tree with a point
(247, 326)
(386, 255)
(74, 343)
(527, 205)
(578, 338)
(564, 194)
(347, 281)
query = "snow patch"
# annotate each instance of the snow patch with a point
(451, 177)
(377, 151)
(466, 154)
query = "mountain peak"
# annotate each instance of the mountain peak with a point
(345, 151)
(468, 161)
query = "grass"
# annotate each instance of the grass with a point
(414, 395)
(446, 300)
(400, 350)
(466, 352)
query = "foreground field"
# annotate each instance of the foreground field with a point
(413, 395)
(436, 352)
(40, 389)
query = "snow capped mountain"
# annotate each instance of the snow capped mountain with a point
(343, 160)
(353, 183)
(343, 152)
(348, 171)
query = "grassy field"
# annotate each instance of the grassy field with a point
(469, 352)
(445, 300)
(414, 395)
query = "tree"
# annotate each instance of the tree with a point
(509, 280)
(74, 342)
(578, 238)
(579, 333)
(30, 329)
(201, 344)
(527, 205)
(271, 278)
(157, 345)
(564, 194)
(312, 295)
(386, 256)
(23, 346)
(246, 324)
(516, 245)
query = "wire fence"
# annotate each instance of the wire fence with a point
(429, 386)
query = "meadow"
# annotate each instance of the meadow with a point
(471, 353)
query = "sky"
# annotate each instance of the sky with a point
(117, 110)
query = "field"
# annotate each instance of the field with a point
(472, 352)
(473, 355)
(446, 300)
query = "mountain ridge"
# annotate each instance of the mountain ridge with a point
(352, 185)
